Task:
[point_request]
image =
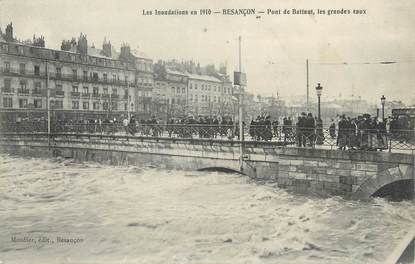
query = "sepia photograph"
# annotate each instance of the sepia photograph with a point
(207, 132)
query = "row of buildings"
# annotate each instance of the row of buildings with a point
(83, 81)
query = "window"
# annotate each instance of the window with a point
(22, 68)
(37, 103)
(172, 101)
(37, 88)
(114, 91)
(95, 76)
(196, 98)
(105, 90)
(75, 89)
(85, 90)
(7, 102)
(85, 75)
(85, 105)
(59, 72)
(183, 90)
(22, 103)
(125, 106)
(114, 106)
(95, 105)
(59, 87)
(105, 106)
(195, 86)
(178, 90)
(190, 86)
(114, 78)
(57, 104)
(74, 74)
(173, 90)
(20, 50)
(23, 87)
(7, 86)
(105, 76)
(75, 104)
(95, 91)
(5, 47)
(7, 66)
(37, 70)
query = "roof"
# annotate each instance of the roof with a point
(98, 53)
(140, 54)
(169, 71)
(203, 77)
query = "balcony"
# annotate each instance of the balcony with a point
(105, 95)
(86, 95)
(75, 94)
(23, 91)
(37, 93)
(7, 90)
(114, 96)
(95, 95)
(59, 93)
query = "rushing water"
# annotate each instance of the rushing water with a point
(145, 215)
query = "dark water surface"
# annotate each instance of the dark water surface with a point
(110, 214)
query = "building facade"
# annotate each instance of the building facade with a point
(81, 81)
(186, 89)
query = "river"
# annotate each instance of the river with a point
(59, 211)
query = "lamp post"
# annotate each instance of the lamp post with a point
(319, 123)
(383, 100)
(319, 90)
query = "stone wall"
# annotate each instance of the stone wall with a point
(310, 171)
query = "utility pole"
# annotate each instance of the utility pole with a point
(48, 100)
(128, 101)
(241, 96)
(308, 105)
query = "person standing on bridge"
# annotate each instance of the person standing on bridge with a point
(125, 125)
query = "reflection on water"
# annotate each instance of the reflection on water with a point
(145, 215)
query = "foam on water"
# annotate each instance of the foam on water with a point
(146, 215)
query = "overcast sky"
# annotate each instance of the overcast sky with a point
(274, 48)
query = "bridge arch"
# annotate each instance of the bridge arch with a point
(396, 183)
(221, 169)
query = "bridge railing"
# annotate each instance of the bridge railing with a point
(362, 139)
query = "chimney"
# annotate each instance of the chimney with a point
(9, 32)
(125, 52)
(106, 48)
(82, 44)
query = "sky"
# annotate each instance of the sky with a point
(274, 47)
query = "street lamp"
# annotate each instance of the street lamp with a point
(319, 124)
(383, 100)
(319, 90)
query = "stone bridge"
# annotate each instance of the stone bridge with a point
(351, 174)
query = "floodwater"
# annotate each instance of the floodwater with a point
(58, 211)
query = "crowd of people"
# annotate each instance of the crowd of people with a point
(370, 133)
(362, 132)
